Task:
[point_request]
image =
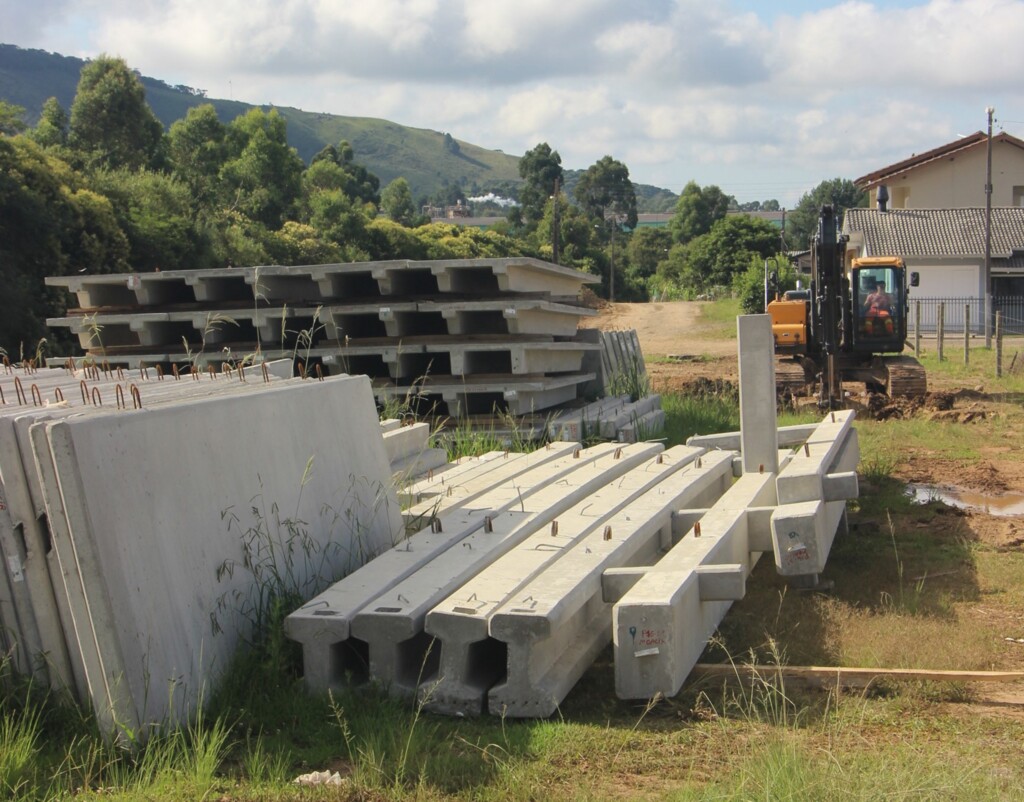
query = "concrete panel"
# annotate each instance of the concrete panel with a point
(151, 648)
(558, 623)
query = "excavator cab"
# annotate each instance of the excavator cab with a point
(879, 301)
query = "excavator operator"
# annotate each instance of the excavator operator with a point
(878, 302)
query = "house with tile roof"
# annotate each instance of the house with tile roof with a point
(935, 219)
(945, 246)
(953, 175)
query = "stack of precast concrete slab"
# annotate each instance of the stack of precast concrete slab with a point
(140, 514)
(461, 336)
(526, 566)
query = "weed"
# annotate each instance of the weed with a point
(19, 746)
(631, 380)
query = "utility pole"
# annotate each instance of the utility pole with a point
(988, 232)
(554, 225)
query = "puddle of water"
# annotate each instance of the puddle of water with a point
(1004, 504)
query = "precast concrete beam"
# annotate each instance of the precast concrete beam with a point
(406, 441)
(436, 482)
(460, 622)
(803, 531)
(645, 427)
(481, 476)
(662, 624)
(829, 450)
(575, 426)
(610, 426)
(323, 625)
(555, 625)
(789, 436)
(398, 616)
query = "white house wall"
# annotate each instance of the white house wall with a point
(959, 180)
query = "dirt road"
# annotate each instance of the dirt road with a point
(679, 344)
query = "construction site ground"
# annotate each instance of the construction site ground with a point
(959, 572)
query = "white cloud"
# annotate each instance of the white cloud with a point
(675, 88)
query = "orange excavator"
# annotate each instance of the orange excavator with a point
(851, 325)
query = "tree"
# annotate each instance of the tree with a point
(111, 125)
(264, 176)
(697, 210)
(50, 224)
(842, 193)
(540, 168)
(575, 231)
(715, 258)
(198, 151)
(52, 128)
(396, 201)
(648, 247)
(155, 211)
(12, 119)
(605, 192)
(356, 181)
(749, 285)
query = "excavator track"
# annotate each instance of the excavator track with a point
(906, 377)
(790, 375)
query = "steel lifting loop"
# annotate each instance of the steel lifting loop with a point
(20, 391)
(136, 397)
(58, 395)
(37, 397)
(119, 396)
(7, 365)
(143, 371)
(211, 370)
(3, 400)
(319, 371)
(175, 371)
(85, 391)
(302, 370)
(106, 368)
(241, 372)
(120, 373)
(225, 368)
(266, 373)
(159, 372)
(97, 398)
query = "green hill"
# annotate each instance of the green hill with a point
(428, 160)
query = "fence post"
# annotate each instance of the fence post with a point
(999, 344)
(940, 328)
(917, 329)
(967, 333)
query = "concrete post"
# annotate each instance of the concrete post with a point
(758, 418)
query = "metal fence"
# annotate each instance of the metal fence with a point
(955, 312)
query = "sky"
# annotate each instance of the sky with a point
(765, 99)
